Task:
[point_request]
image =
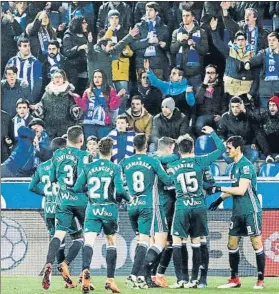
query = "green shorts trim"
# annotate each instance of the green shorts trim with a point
(246, 225)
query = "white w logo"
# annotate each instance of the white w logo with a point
(50, 209)
(97, 211)
(65, 195)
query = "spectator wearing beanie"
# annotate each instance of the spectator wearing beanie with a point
(152, 42)
(268, 134)
(41, 141)
(169, 123)
(125, 15)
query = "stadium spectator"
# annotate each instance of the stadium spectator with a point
(55, 60)
(152, 41)
(236, 122)
(139, 118)
(41, 141)
(171, 122)
(267, 59)
(268, 135)
(10, 31)
(125, 15)
(196, 7)
(177, 87)
(92, 146)
(84, 9)
(29, 68)
(123, 138)
(237, 81)
(20, 13)
(151, 96)
(39, 33)
(75, 49)
(5, 135)
(189, 44)
(120, 63)
(22, 118)
(97, 103)
(12, 89)
(209, 100)
(165, 13)
(56, 107)
(101, 55)
(21, 161)
(57, 15)
(274, 13)
(255, 35)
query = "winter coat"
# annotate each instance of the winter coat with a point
(142, 124)
(77, 59)
(120, 62)
(208, 105)
(9, 96)
(21, 160)
(125, 17)
(177, 125)
(140, 44)
(201, 48)
(5, 132)
(240, 125)
(14, 135)
(56, 110)
(99, 59)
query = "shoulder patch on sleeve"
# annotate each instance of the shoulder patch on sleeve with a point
(85, 159)
(246, 169)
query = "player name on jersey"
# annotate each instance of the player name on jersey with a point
(137, 163)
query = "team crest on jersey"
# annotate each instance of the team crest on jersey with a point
(85, 159)
(246, 170)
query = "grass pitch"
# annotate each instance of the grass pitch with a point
(28, 285)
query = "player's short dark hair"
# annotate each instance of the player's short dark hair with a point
(74, 133)
(236, 99)
(122, 116)
(140, 141)
(274, 34)
(11, 67)
(22, 101)
(165, 142)
(54, 42)
(153, 5)
(185, 143)
(188, 9)
(240, 33)
(180, 71)
(236, 141)
(22, 40)
(105, 146)
(58, 143)
(92, 138)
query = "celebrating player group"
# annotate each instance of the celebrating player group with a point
(165, 194)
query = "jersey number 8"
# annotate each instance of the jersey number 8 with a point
(138, 181)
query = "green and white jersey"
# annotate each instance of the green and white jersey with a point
(188, 175)
(67, 164)
(164, 194)
(249, 202)
(41, 184)
(103, 180)
(142, 172)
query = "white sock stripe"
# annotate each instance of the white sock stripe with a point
(79, 240)
(176, 245)
(233, 250)
(111, 247)
(259, 251)
(195, 245)
(88, 245)
(158, 247)
(143, 243)
(203, 241)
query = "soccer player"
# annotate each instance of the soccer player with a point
(190, 216)
(50, 191)
(103, 179)
(246, 217)
(67, 163)
(142, 173)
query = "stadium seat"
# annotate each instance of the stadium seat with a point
(269, 170)
(268, 25)
(215, 170)
(228, 169)
(204, 144)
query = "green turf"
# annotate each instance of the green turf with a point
(28, 285)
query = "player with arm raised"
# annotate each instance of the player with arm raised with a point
(190, 216)
(142, 173)
(103, 180)
(66, 165)
(246, 217)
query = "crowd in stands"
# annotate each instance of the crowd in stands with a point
(121, 68)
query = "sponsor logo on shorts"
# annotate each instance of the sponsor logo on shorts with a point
(68, 196)
(101, 212)
(191, 202)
